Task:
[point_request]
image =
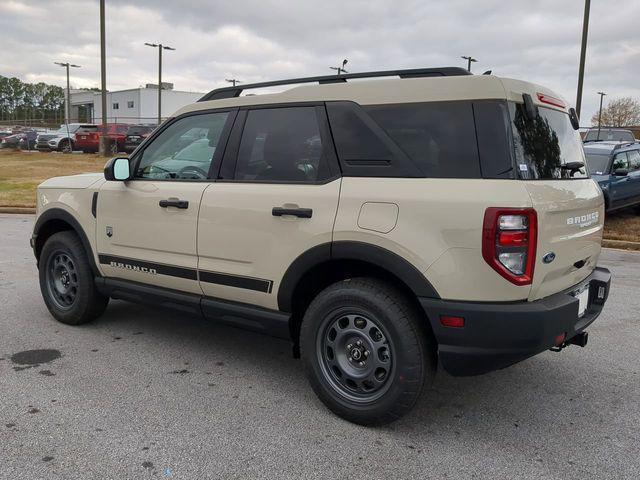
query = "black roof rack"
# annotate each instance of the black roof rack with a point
(235, 91)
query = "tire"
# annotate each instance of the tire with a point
(67, 281)
(64, 147)
(400, 358)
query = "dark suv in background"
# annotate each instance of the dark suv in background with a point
(616, 168)
(135, 135)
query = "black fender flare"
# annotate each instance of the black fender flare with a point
(352, 250)
(62, 215)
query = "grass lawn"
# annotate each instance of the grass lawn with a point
(623, 225)
(21, 172)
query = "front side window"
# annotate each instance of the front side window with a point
(116, 106)
(282, 145)
(130, 104)
(546, 147)
(184, 150)
(620, 161)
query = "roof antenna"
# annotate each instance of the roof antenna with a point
(488, 72)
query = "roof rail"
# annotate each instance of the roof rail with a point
(235, 91)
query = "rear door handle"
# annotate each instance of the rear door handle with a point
(174, 202)
(296, 212)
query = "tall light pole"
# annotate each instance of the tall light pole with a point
(602, 94)
(233, 81)
(103, 145)
(583, 53)
(469, 60)
(341, 69)
(67, 104)
(160, 47)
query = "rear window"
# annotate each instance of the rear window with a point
(439, 137)
(138, 130)
(607, 134)
(546, 147)
(597, 164)
(87, 128)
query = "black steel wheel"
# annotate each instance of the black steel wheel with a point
(355, 355)
(67, 281)
(62, 279)
(367, 351)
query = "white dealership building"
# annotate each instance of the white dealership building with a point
(135, 105)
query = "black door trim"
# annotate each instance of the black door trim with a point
(151, 268)
(218, 278)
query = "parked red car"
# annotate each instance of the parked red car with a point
(88, 140)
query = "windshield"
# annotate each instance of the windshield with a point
(546, 147)
(608, 134)
(597, 163)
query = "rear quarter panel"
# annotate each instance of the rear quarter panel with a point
(438, 228)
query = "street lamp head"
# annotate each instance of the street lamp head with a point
(74, 66)
(151, 44)
(167, 48)
(601, 93)
(344, 62)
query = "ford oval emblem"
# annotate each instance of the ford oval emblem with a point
(549, 257)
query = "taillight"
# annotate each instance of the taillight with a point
(509, 240)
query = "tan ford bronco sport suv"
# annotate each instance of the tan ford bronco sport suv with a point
(383, 226)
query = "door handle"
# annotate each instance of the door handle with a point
(296, 212)
(174, 202)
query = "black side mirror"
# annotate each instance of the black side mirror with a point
(530, 109)
(621, 172)
(573, 116)
(117, 169)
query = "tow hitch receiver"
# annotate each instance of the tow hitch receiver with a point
(579, 339)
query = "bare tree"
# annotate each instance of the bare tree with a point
(621, 112)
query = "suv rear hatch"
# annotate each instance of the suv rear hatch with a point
(570, 207)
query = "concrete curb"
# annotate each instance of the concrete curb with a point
(23, 210)
(620, 244)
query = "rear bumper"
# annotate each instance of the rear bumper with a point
(496, 335)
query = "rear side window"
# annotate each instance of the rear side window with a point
(439, 137)
(492, 129)
(282, 145)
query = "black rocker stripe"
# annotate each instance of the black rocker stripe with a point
(247, 283)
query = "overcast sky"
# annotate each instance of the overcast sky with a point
(255, 40)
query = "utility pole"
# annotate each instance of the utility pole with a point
(469, 60)
(583, 53)
(103, 145)
(160, 47)
(341, 69)
(67, 104)
(602, 94)
(233, 81)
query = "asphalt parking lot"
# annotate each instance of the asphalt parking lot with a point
(144, 393)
